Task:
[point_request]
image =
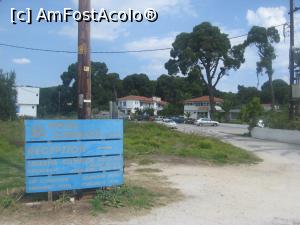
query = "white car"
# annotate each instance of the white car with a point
(206, 122)
(170, 123)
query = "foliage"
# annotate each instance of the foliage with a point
(138, 84)
(124, 196)
(281, 91)
(188, 114)
(175, 89)
(11, 155)
(280, 120)
(263, 39)
(8, 96)
(172, 110)
(251, 112)
(162, 141)
(206, 52)
(6, 201)
(246, 94)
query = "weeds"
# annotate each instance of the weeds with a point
(124, 196)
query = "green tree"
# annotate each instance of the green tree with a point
(263, 39)
(172, 110)
(251, 112)
(8, 96)
(246, 94)
(138, 84)
(105, 86)
(175, 89)
(207, 52)
(281, 91)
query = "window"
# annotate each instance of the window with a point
(124, 103)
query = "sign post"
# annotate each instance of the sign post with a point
(63, 155)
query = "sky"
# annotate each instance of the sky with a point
(234, 17)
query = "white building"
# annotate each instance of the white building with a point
(200, 107)
(129, 104)
(28, 99)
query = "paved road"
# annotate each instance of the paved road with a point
(232, 133)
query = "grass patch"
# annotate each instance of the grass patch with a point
(124, 196)
(144, 139)
(11, 156)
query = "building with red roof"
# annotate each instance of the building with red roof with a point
(200, 107)
(131, 103)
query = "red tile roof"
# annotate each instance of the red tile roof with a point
(203, 99)
(140, 98)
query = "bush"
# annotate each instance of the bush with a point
(280, 120)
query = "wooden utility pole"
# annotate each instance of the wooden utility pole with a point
(84, 65)
(293, 9)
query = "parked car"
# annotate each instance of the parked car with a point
(178, 119)
(170, 123)
(206, 122)
(189, 121)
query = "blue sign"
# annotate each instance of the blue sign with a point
(73, 154)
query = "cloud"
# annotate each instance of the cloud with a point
(267, 17)
(154, 61)
(102, 31)
(112, 31)
(21, 61)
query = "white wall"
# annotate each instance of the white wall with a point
(28, 96)
(27, 110)
(286, 136)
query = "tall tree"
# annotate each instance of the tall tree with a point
(246, 94)
(105, 86)
(205, 51)
(263, 39)
(281, 92)
(8, 96)
(138, 84)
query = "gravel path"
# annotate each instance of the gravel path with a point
(264, 194)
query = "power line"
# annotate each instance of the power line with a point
(108, 52)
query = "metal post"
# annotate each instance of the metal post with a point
(292, 69)
(84, 65)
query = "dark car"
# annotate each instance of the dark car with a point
(178, 119)
(189, 121)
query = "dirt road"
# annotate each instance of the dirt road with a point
(264, 194)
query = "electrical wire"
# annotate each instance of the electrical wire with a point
(106, 52)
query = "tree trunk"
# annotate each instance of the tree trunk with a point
(211, 93)
(272, 92)
(211, 102)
